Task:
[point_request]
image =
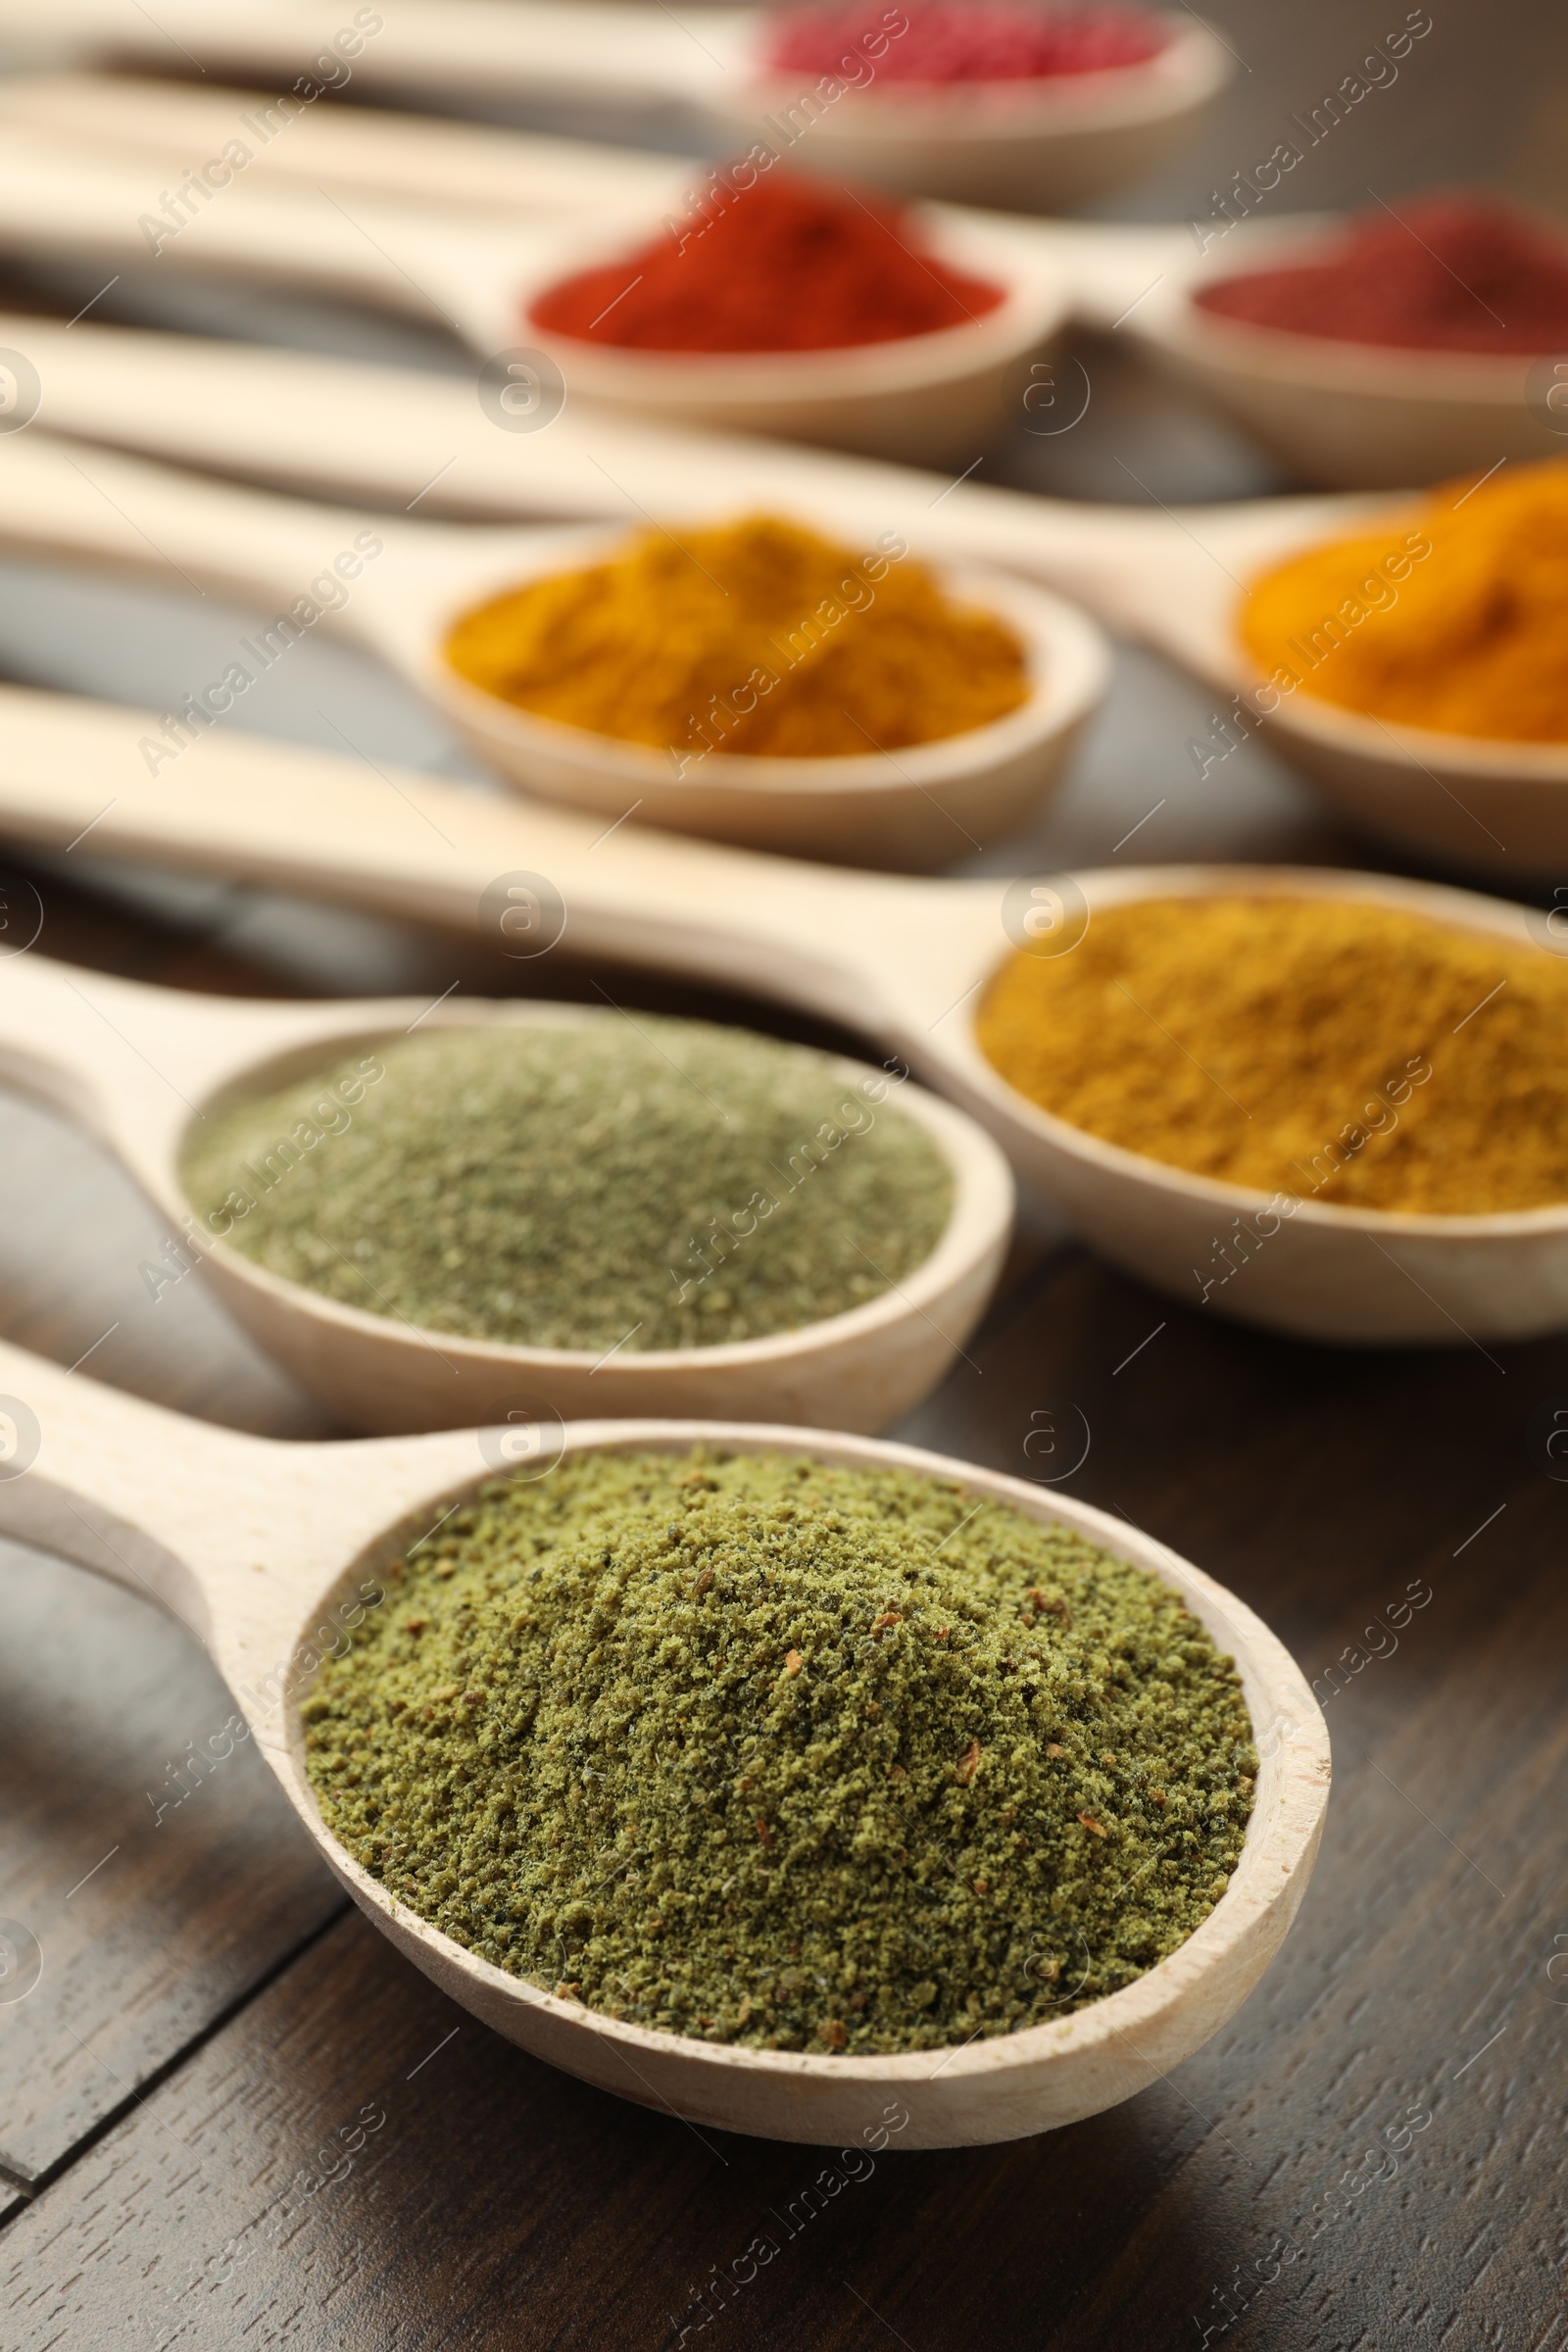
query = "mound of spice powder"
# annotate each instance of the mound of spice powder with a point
(1454, 271)
(965, 40)
(588, 1185)
(757, 637)
(789, 265)
(804, 1758)
(1350, 1053)
(1452, 614)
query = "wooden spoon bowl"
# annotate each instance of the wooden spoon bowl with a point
(906, 808)
(928, 399)
(1361, 416)
(1345, 416)
(1035, 146)
(142, 1066)
(1317, 1271)
(270, 1550)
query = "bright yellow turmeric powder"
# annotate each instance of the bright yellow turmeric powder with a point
(755, 637)
(1339, 1051)
(1452, 614)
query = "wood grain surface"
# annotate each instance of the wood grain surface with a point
(231, 2116)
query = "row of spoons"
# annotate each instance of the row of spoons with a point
(1175, 580)
(1037, 144)
(264, 1549)
(902, 960)
(470, 228)
(257, 1544)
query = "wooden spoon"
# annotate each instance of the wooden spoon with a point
(142, 1068)
(268, 1551)
(1039, 144)
(1175, 578)
(923, 397)
(902, 960)
(1350, 415)
(400, 586)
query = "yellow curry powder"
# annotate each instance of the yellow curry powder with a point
(1338, 1051)
(755, 637)
(1450, 615)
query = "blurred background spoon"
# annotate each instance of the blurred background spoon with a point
(400, 586)
(1038, 143)
(1175, 578)
(144, 1067)
(1350, 415)
(1343, 415)
(922, 396)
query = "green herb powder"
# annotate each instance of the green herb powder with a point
(765, 1752)
(657, 1184)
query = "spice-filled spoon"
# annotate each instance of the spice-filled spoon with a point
(903, 960)
(1336, 405)
(161, 1076)
(400, 587)
(1042, 138)
(278, 1555)
(917, 355)
(1179, 580)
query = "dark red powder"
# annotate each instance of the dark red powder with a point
(786, 264)
(1454, 271)
(985, 40)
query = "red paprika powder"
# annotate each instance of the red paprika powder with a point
(1452, 272)
(968, 41)
(788, 265)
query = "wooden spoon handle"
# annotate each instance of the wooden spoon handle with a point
(131, 1061)
(119, 1485)
(61, 500)
(831, 939)
(66, 1035)
(242, 1538)
(595, 47)
(397, 435)
(60, 196)
(406, 157)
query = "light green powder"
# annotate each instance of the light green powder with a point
(647, 1183)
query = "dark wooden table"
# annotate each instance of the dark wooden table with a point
(1373, 2151)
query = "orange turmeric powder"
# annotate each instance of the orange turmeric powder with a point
(1337, 1051)
(1452, 614)
(755, 637)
